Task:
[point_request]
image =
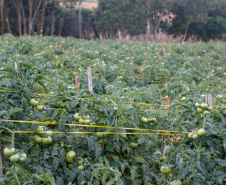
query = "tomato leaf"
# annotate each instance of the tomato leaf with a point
(110, 147)
(12, 111)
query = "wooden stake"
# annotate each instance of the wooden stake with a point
(219, 58)
(164, 50)
(73, 50)
(63, 50)
(132, 66)
(25, 57)
(208, 99)
(90, 83)
(103, 64)
(166, 79)
(68, 39)
(89, 48)
(61, 44)
(168, 102)
(193, 83)
(16, 66)
(56, 45)
(139, 70)
(77, 84)
(160, 58)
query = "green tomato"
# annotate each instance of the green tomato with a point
(81, 121)
(200, 110)
(77, 117)
(37, 139)
(153, 120)
(175, 182)
(49, 133)
(40, 107)
(156, 162)
(145, 120)
(80, 167)
(178, 138)
(47, 140)
(69, 166)
(71, 154)
(190, 135)
(183, 98)
(166, 169)
(204, 106)
(210, 108)
(157, 153)
(99, 135)
(163, 158)
(9, 151)
(23, 155)
(206, 112)
(80, 160)
(40, 130)
(101, 141)
(33, 102)
(22, 159)
(87, 122)
(195, 136)
(133, 145)
(172, 140)
(142, 119)
(201, 132)
(219, 96)
(197, 104)
(69, 160)
(14, 158)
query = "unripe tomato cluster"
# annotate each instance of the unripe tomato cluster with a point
(219, 96)
(70, 158)
(195, 134)
(174, 140)
(15, 155)
(161, 157)
(183, 98)
(36, 104)
(47, 135)
(148, 120)
(203, 108)
(82, 119)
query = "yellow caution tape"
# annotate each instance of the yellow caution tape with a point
(128, 133)
(98, 100)
(95, 126)
(18, 121)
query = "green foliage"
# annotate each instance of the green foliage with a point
(118, 101)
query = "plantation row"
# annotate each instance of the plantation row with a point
(156, 114)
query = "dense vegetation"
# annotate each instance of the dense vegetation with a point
(39, 97)
(196, 19)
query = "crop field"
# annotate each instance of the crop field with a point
(105, 112)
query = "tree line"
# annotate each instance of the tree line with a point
(115, 18)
